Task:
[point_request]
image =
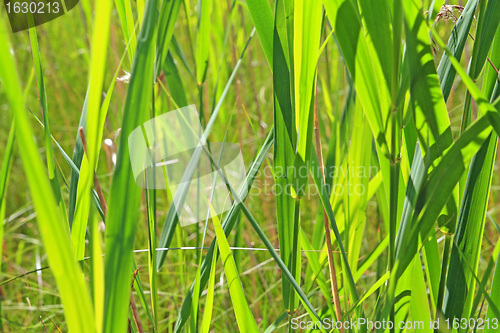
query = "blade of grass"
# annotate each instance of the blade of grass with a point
(73, 290)
(97, 270)
(95, 125)
(77, 161)
(203, 40)
(209, 303)
(488, 21)
(363, 65)
(470, 228)
(4, 178)
(42, 96)
(430, 113)
(125, 194)
(434, 195)
(284, 139)
(151, 217)
(263, 20)
(244, 317)
(494, 295)
(168, 17)
(307, 27)
(174, 81)
(124, 9)
(419, 303)
(456, 44)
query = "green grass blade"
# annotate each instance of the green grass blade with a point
(306, 42)
(491, 80)
(244, 317)
(153, 278)
(53, 229)
(314, 263)
(77, 161)
(42, 94)
(431, 116)
(469, 234)
(307, 34)
(484, 107)
(419, 304)
(4, 176)
(209, 303)
(470, 228)
(437, 189)
(456, 44)
(95, 125)
(487, 27)
(376, 16)
(125, 194)
(434, 195)
(124, 9)
(262, 17)
(284, 139)
(4, 180)
(489, 18)
(363, 65)
(203, 40)
(142, 296)
(174, 82)
(168, 17)
(494, 295)
(97, 270)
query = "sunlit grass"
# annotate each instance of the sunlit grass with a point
(400, 165)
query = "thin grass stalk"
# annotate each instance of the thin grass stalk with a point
(151, 217)
(397, 26)
(133, 306)
(393, 212)
(328, 240)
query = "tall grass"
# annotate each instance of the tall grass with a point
(370, 142)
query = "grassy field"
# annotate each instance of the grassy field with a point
(368, 130)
